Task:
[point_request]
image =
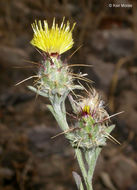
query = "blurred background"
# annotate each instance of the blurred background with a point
(29, 158)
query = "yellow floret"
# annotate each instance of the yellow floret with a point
(86, 109)
(54, 40)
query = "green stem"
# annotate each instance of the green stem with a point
(91, 158)
(81, 164)
(59, 116)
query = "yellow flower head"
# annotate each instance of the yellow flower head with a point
(54, 40)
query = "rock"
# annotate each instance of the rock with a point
(127, 102)
(113, 44)
(40, 141)
(101, 72)
(123, 171)
(107, 181)
(12, 56)
(6, 173)
(10, 98)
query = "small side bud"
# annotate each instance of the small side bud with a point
(92, 121)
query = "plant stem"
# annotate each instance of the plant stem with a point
(81, 164)
(59, 116)
(91, 158)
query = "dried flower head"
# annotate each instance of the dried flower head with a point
(55, 40)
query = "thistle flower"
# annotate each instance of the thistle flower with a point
(55, 40)
(54, 77)
(91, 129)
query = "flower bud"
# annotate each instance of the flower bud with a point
(92, 127)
